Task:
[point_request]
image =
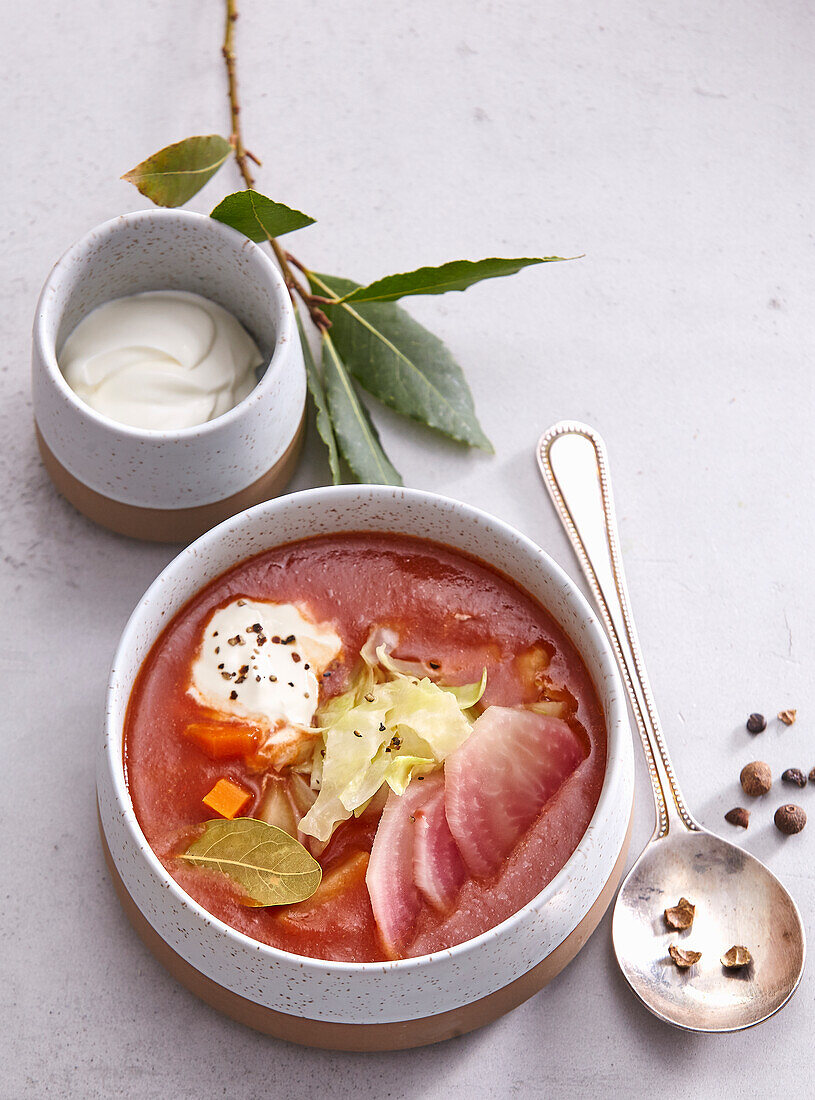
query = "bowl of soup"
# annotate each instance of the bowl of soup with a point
(367, 777)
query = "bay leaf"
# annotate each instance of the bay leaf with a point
(271, 867)
(258, 217)
(323, 416)
(400, 362)
(356, 435)
(174, 174)
(454, 275)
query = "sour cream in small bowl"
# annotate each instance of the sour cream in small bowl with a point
(161, 360)
(167, 377)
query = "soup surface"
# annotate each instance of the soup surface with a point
(463, 808)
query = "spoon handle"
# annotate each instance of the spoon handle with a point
(573, 462)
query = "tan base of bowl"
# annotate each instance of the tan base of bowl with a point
(169, 524)
(369, 1037)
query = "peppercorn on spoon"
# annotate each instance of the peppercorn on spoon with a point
(738, 901)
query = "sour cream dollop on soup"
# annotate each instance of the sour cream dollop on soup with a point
(263, 661)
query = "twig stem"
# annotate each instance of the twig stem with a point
(242, 158)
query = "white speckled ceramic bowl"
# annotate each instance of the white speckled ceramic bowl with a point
(169, 486)
(366, 1006)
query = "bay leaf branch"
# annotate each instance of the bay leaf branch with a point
(258, 217)
(323, 415)
(454, 275)
(400, 362)
(356, 434)
(174, 174)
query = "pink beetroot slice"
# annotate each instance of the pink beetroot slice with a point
(395, 898)
(496, 784)
(438, 869)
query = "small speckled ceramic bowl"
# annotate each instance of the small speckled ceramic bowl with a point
(367, 1006)
(169, 486)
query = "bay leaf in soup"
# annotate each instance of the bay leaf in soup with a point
(271, 867)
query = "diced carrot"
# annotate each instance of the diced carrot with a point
(227, 798)
(223, 739)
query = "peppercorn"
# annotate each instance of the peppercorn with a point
(756, 723)
(736, 957)
(684, 959)
(679, 917)
(790, 819)
(756, 778)
(738, 816)
(794, 775)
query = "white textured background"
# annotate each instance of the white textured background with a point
(670, 143)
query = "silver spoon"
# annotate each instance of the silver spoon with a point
(738, 900)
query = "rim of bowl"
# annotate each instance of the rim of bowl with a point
(108, 229)
(615, 719)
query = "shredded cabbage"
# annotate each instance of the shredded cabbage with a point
(397, 667)
(403, 768)
(469, 694)
(383, 731)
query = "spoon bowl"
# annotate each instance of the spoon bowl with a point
(738, 901)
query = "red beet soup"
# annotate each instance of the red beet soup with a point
(387, 706)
